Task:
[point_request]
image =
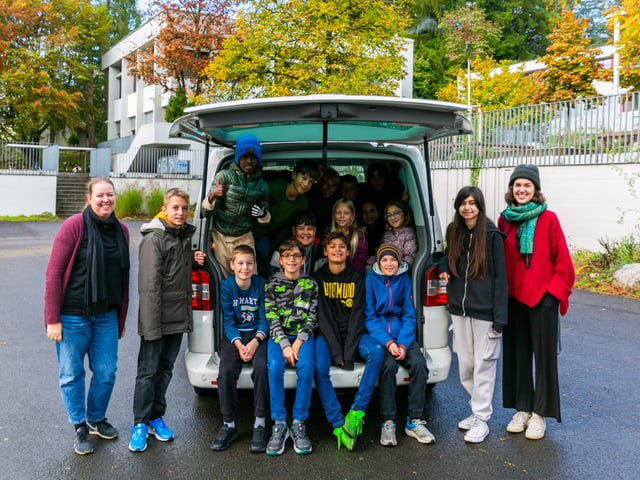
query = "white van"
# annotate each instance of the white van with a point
(348, 133)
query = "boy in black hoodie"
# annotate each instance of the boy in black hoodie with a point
(341, 338)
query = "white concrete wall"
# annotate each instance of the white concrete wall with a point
(591, 201)
(27, 194)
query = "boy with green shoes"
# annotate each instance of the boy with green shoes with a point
(341, 338)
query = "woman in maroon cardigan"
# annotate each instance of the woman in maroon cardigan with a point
(85, 304)
(540, 276)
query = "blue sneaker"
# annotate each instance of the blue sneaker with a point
(139, 433)
(158, 428)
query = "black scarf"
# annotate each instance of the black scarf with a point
(95, 293)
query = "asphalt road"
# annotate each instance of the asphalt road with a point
(598, 438)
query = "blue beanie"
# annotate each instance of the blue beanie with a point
(248, 144)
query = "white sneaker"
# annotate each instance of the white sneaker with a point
(478, 431)
(467, 423)
(519, 422)
(417, 428)
(537, 427)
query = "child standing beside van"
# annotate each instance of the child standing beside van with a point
(476, 276)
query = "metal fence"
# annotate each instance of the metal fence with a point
(157, 162)
(585, 131)
(22, 158)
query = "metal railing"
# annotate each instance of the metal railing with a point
(20, 158)
(585, 131)
(157, 162)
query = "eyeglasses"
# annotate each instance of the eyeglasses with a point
(393, 214)
(295, 256)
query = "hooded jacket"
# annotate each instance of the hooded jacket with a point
(481, 298)
(389, 314)
(164, 279)
(341, 300)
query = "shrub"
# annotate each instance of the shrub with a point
(594, 270)
(129, 203)
(154, 202)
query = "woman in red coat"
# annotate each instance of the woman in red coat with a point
(540, 276)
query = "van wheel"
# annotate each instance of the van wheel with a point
(204, 392)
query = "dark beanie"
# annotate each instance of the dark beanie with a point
(530, 172)
(388, 249)
(248, 144)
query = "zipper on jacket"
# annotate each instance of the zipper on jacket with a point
(390, 297)
(466, 276)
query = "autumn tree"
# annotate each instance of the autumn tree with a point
(49, 55)
(468, 35)
(190, 33)
(494, 85)
(311, 46)
(628, 16)
(570, 62)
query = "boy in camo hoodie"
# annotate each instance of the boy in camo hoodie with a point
(291, 304)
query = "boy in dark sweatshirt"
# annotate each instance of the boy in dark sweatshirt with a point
(341, 338)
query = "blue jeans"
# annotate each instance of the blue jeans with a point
(97, 338)
(372, 353)
(304, 369)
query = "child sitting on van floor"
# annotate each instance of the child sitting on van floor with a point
(245, 329)
(238, 199)
(399, 231)
(390, 319)
(341, 339)
(304, 229)
(291, 303)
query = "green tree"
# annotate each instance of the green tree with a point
(311, 46)
(570, 61)
(524, 26)
(125, 18)
(49, 55)
(190, 32)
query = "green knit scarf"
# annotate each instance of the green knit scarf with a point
(527, 216)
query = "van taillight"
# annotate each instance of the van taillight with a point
(436, 289)
(200, 282)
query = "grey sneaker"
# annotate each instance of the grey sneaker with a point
(82, 443)
(417, 428)
(301, 442)
(388, 434)
(279, 435)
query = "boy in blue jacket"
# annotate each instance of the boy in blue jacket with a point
(245, 329)
(391, 320)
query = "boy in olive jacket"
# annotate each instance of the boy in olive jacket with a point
(164, 288)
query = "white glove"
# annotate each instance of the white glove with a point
(258, 211)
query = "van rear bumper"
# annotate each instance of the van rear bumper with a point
(202, 370)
